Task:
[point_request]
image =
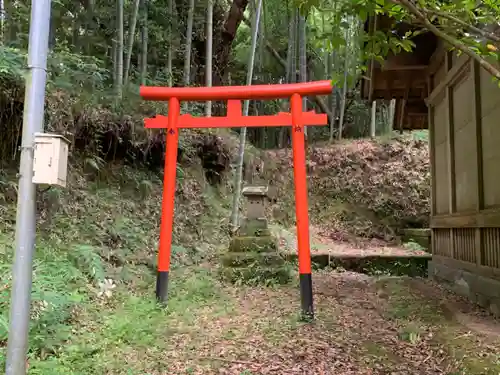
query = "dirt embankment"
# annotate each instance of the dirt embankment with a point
(359, 189)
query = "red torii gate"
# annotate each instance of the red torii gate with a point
(234, 94)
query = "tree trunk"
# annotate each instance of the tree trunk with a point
(333, 97)
(114, 57)
(89, 26)
(189, 42)
(303, 61)
(130, 41)
(319, 101)
(243, 133)
(291, 53)
(344, 88)
(290, 58)
(77, 24)
(170, 43)
(392, 112)
(144, 42)
(326, 55)
(11, 26)
(373, 123)
(119, 60)
(223, 49)
(2, 22)
(187, 51)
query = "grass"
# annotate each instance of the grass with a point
(76, 332)
(109, 231)
(424, 321)
(131, 334)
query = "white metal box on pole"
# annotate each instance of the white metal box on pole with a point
(50, 164)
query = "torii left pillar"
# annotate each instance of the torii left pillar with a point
(168, 200)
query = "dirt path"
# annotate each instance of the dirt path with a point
(362, 326)
(321, 244)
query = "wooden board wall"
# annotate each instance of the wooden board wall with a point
(464, 118)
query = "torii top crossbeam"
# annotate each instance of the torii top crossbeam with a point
(254, 92)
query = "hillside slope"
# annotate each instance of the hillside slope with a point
(361, 188)
(103, 226)
(94, 311)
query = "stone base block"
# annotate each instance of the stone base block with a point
(255, 260)
(253, 244)
(254, 228)
(248, 259)
(481, 290)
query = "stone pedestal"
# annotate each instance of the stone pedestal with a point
(253, 255)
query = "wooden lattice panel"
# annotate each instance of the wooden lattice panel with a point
(491, 247)
(464, 241)
(441, 242)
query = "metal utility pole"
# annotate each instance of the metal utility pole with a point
(34, 101)
(208, 53)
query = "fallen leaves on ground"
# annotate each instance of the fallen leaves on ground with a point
(356, 331)
(367, 188)
(321, 243)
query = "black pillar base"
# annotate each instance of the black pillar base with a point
(162, 286)
(306, 296)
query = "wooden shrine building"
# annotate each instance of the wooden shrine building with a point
(459, 103)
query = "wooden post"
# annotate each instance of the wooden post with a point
(451, 140)
(476, 79)
(432, 157)
(451, 150)
(432, 147)
(402, 111)
(392, 112)
(373, 122)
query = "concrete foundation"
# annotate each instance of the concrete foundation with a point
(481, 290)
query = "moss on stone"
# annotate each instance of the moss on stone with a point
(257, 274)
(254, 228)
(420, 236)
(255, 260)
(248, 259)
(262, 244)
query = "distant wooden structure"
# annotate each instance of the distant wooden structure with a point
(403, 76)
(463, 116)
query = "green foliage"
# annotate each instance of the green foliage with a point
(12, 63)
(406, 267)
(87, 259)
(69, 71)
(414, 246)
(105, 230)
(422, 135)
(77, 73)
(57, 289)
(257, 274)
(466, 25)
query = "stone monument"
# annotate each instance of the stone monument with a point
(253, 255)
